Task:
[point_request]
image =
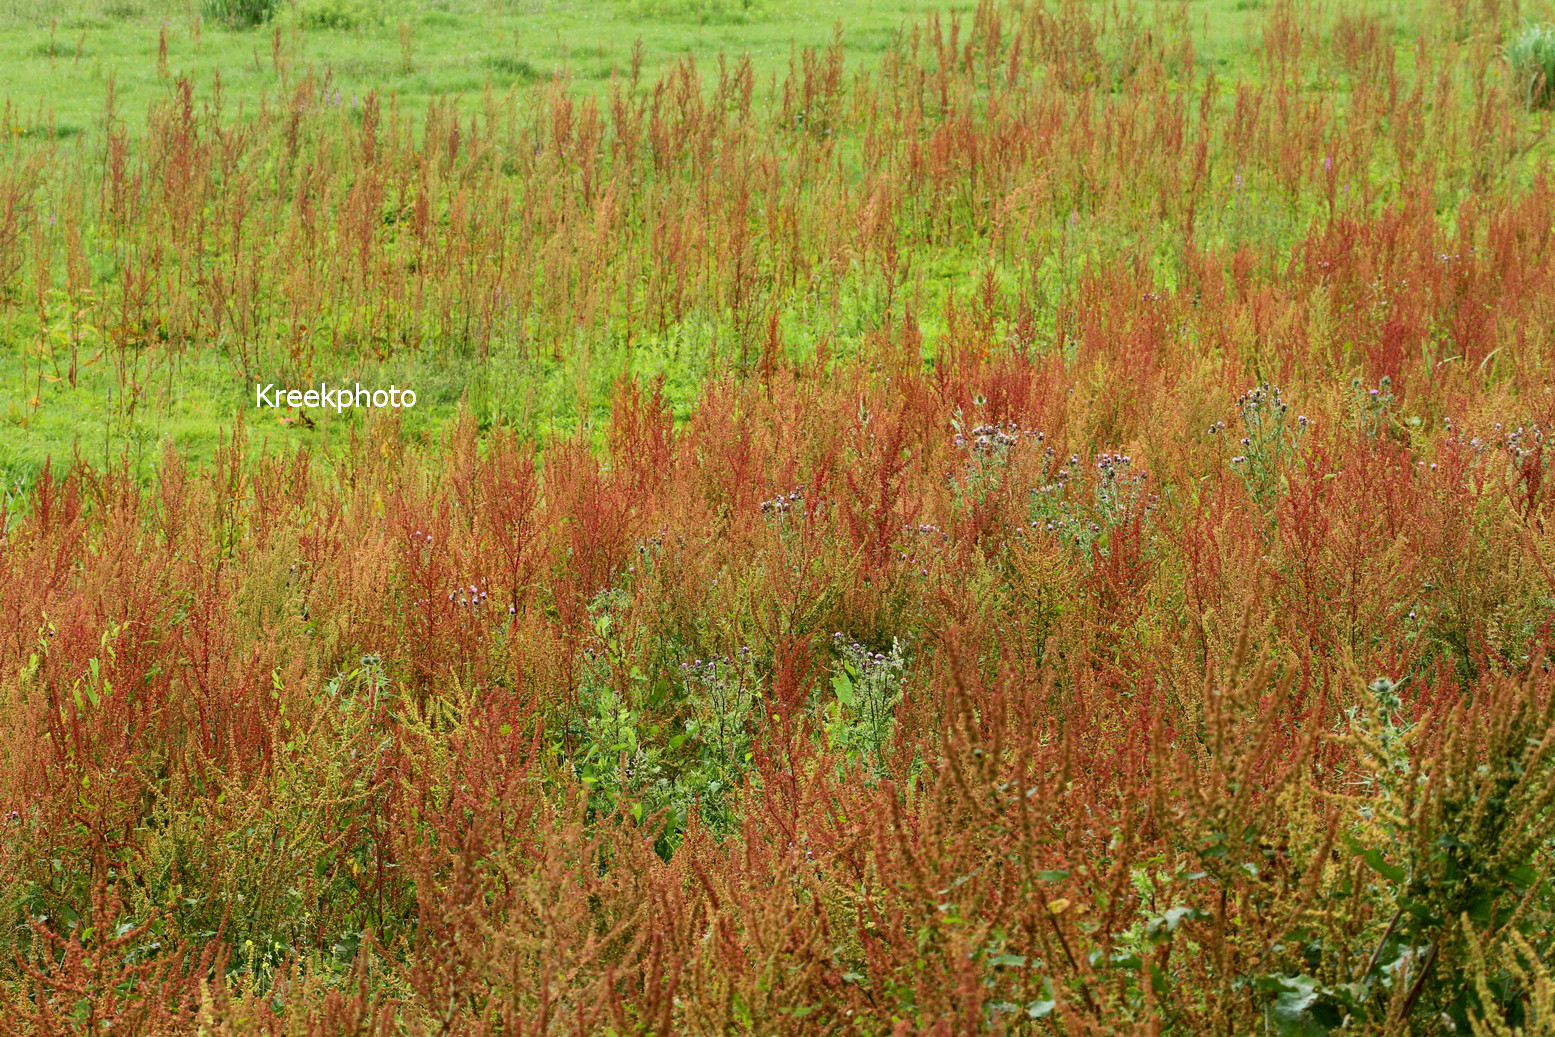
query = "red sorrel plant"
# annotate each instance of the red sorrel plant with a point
(1165, 700)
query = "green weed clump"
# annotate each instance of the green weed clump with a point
(335, 14)
(714, 12)
(240, 13)
(1531, 55)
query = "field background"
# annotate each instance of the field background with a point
(1026, 517)
(57, 60)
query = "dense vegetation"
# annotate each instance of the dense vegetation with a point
(1024, 533)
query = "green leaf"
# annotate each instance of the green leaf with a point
(1523, 877)
(1295, 1005)
(1165, 924)
(1380, 865)
(843, 686)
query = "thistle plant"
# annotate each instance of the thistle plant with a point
(1373, 404)
(785, 508)
(608, 742)
(987, 449)
(867, 686)
(1270, 439)
(723, 696)
(1532, 468)
(1081, 509)
(723, 693)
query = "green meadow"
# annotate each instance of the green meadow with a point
(63, 65)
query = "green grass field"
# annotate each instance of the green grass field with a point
(57, 63)
(58, 58)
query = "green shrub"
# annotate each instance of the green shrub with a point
(239, 13)
(706, 12)
(339, 14)
(1532, 57)
(509, 67)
